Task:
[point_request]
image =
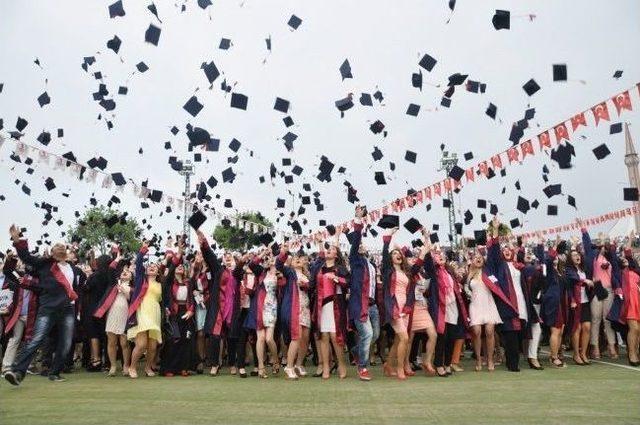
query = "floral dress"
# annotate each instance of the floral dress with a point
(305, 312)
(270, 307)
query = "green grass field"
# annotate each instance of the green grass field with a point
(598, 394)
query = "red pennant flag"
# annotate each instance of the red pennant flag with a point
(496, 161)
(561, 132)
(484, 168)
(622, 101)
(436, 189)
(470, 174)
(577, 121)
(457, 184)
(427, 193)
(447, 185)
(527, 148)
(419, 198)
(600, 111)
(544, 140)
(385, 210)
(401, 204)
(512, 154)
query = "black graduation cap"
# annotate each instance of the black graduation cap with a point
(560, 72)
(152, 35)
(446, 102)
(376, 127)
(571, 201)
(142, 67)
(21, 123)
(535, 204)
(412, 225)
(514, 223)
(193, 107)
(433, 237)
(116, 9)
(416, 80)
(410, 156)
(601, 151)
(493, 209)
(167, 145)
(389, 221)
(49, 184)
(202, 3)
(617, 74)
(523, 205)
(61, 132)
(280, 203)
(123, 90)
(281, 105)
(457, 79)
(345, 70)
(365, 99)
(265, 239)
(225, 43)
(631, 194)
(615, 128)
(228, 175)
(552, 210)
(210, 71)
(379, 178)
(413, 109)
(331, 229)
(44, 138)
(239, 101)
(297, 170)
(111, 221)
(468, 156)
(427, 62)
(228, 203)
(501, 20)
(288, 121)
(531, 87)
(234, 145)
(446, 202)
(552, 190)
(197, 219)
(376, 154)
(118, 179)
(562, 155)
(492, 110)
(344, 104)
(456, 173)
(482, 203)
(44, 99)
(294, 22)
(529, 113)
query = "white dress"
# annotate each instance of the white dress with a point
(482, 309)
(118, 313)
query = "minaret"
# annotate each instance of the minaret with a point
(631, 161)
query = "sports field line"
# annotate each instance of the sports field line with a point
(624, 366)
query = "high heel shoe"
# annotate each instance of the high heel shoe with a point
(634, 364)
(262, 374)
(579, 361)
(534, 366)
(214, 371)
(149, 373)
(442, 374)
(557, 363)
(428, 370)
(478, 367)
(112, 372)
(290, 374)
(388, 372)
(300, 370)
(409, 372)
(585, 360)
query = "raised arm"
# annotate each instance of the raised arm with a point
(22, 249)
(210, 259)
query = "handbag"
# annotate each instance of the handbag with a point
(171, 328)
(600, 291)
(614, 314)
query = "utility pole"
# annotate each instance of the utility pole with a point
(187, 171)
(447, 162)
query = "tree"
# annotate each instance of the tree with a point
(233, 238)
(101, 226)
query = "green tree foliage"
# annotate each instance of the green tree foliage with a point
(95, 231)
(233, 238)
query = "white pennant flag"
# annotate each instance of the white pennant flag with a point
(107, 182)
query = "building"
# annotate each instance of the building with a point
(631, 161)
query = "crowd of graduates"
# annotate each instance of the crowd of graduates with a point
(179, 311)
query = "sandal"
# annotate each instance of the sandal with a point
(557, 363)
(275, 368)
(214, 370)
(262, 374)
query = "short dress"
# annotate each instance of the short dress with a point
(421, 317)
(148, 313)
(482, 309)
(305, 310)
(270, 306)
(118, 313)
(401, 324)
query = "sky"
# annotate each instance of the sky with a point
(383, 42)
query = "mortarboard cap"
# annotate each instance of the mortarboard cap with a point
(345, 70)
(376, 154)
(193, 107)
(281, 105)
(197, 219)
(630, 194)
(523, 205)
(389, 221)
(501, 20)
(427, 62)
(410, 156)
(615, 128)
(531, 87)
(456, 173)
(617, 74)
(413, 109)
(379, 178)
(552, 210)
(44, 99)
(239, 101)
(412, 225)
(416, 80)
(152, 35)
(294, 22)
(601, 151)
(116, 9)
(552, 190)
(225, 43)
(492, 110)
(560, 72)
(514, 223)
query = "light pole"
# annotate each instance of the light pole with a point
(187, 171)
(447, 162)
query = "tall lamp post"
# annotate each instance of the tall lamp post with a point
(447, 162)
(187, 171)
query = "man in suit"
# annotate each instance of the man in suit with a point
(55, 281)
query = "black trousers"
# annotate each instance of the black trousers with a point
(419, 339)
(238, 346)
(175, 356)
(511, 344)
(444, 346)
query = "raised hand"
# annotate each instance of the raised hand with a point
(14, 232)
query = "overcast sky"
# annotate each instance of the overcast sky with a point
(383, 42)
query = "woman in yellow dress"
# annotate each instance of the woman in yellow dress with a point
(145, 315)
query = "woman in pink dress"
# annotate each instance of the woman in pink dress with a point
(422, 323)
(483, 312)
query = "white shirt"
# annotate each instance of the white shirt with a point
(451, 307)
(583, 291)
(67, 271)
(522, 305)
(181, 293)
(372, 280)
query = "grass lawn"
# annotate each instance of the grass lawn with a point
(600, 393)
